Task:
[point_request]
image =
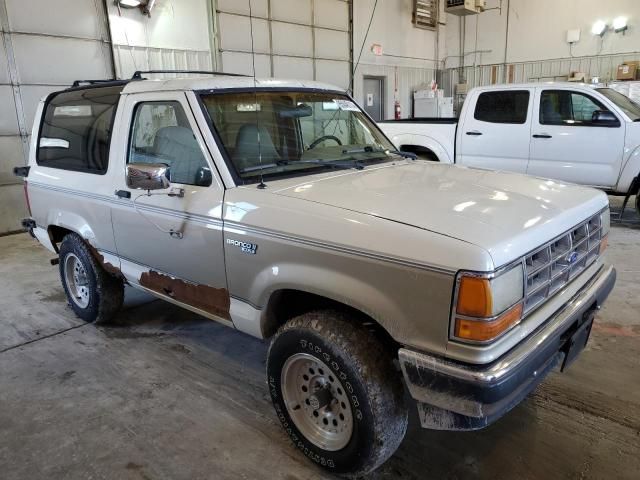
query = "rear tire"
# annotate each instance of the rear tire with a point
(93, 294)
(336, 392)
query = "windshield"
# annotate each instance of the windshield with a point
(628, 106)
(276, 134)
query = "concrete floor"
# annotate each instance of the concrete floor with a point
(166, 394)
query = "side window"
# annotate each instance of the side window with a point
(161, 133)
(510, 106)
(563, 107)
(76, 130)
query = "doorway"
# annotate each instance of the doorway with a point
(374, 97)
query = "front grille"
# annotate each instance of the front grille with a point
(558, 262)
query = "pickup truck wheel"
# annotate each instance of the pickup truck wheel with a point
(93, 294)
(336, 392)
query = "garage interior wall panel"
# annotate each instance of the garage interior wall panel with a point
(410, 56)
(175, 37)
(45, 47)
(301, 39)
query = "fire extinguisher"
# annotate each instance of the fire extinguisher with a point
(398, 110)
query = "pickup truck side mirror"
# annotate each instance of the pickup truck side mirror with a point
(604, 118)
(148, 176)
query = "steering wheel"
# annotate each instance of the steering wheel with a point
(318, 141)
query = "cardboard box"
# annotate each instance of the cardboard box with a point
(627, 71)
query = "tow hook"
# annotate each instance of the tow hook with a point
(29, 224)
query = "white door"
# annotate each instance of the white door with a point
(168, 244)
(567, 145)
(496, 133)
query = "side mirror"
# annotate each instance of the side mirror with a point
(203, 177)
(148, 176)
(604, 118)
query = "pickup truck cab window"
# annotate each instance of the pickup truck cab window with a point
(566, 107)
(509, 106)
(624, 103)
(284, 133)
(76, 130)
(161, 134)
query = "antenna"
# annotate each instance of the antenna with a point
(261, 185)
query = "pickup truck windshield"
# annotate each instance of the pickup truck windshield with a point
(273, 134)
(628, 106)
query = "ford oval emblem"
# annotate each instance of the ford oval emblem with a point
(572, 257)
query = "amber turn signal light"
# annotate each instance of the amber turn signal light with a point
(482, 330)
(474, 297)
(604, 243)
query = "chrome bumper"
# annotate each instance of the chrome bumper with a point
(458, 396)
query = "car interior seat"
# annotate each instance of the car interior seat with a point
(247, 151)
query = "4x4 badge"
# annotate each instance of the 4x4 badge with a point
(250, 248)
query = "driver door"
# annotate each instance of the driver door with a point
(171, 245)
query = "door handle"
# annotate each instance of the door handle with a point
(542, 135)
(475, 133)
(123, 194)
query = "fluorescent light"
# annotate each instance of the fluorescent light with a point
(129, 3)
(620, 24)
(599, 28)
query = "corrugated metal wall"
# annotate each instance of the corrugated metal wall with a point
(175, 37)
(602, 66)
(45, 46)
(305, 39)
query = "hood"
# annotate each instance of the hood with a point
(507, 214)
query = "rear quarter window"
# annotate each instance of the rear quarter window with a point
(75, 132)
(510, 106)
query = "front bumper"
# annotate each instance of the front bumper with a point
(458, 396)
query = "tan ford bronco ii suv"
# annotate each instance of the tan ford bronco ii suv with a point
(280, 209)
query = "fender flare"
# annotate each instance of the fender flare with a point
(71, 221)
(629, 171)
(423, 141)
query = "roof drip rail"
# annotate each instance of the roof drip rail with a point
(138, 74)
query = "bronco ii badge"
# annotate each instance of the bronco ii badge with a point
(249, 248)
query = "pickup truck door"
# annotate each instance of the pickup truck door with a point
(567, 145)
(495, 130)
(167, 244)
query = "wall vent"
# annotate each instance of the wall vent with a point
(425, 13)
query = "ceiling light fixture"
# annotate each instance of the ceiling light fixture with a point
(599, 28)
(145, 6)
(620, 24)
(129, 3)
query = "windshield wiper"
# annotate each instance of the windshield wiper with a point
(344, 163)
(369, 149)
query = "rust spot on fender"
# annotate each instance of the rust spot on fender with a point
(215, 301)
(112, 269)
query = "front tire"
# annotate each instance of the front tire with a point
(93, 294)
(336, 392)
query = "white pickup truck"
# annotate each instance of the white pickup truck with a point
(572, 132)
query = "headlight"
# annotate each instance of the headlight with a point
(488, 305)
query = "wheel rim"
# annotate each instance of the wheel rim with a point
(76, 279)
(317, 402)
